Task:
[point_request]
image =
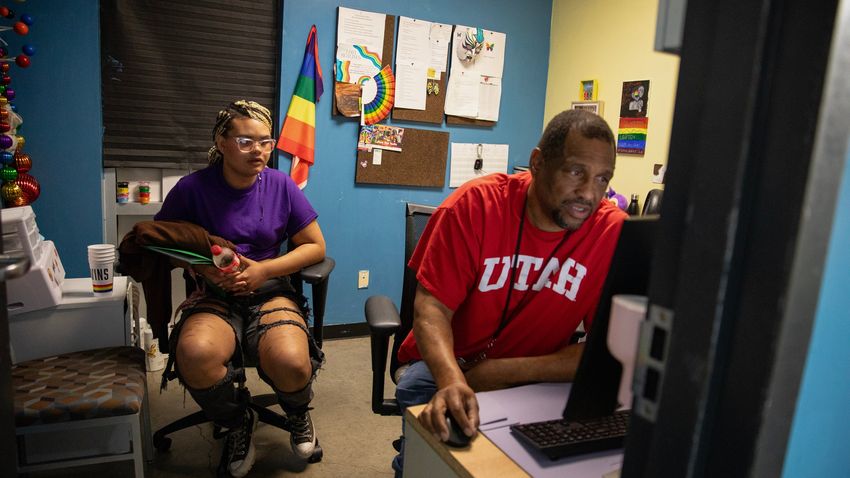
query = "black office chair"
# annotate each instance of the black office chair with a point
(385, 321)
(317, 276)
(652, 205)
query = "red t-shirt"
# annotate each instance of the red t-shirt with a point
(463, 258)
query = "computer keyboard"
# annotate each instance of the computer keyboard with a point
(563, 438)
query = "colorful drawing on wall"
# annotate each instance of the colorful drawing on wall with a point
(635, 99)
(631, 136)
(378, 96)
(588, 90)
(381, 137)
(592, 106)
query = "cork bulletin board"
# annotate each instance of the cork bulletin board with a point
(434, 105)
(421, 161)
(389, 31)
(468, 121)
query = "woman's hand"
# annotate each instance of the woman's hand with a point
(227, 281)
(252, 276)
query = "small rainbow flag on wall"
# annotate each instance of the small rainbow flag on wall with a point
(298, 135)
(631, 136)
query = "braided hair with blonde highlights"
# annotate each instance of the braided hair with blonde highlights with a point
(237, 109)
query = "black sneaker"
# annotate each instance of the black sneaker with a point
(302, 435)
(238, 447)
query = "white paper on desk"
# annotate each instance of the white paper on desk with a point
(410, 86)
(491, 413)
(538, 465)
(356, 27)
(489, 98)
(413, 44)
(494, 160)
(440, 38)
(535, 403)
(462, 95)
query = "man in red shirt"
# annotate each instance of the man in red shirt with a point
(508, 266)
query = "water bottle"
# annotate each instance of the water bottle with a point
(224, 258)
(153, 358)
(140, 334)
(147, 340)
(633, 209)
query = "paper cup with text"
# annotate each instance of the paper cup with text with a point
(101, 261)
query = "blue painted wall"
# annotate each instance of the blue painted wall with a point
(363, 225)
(58, 97)
(817, 446)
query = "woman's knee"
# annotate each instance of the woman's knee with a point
(201, 360)
(290, 370)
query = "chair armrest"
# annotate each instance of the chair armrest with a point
(317, 275)
(318, 272)
(383, 320)
(382, 316)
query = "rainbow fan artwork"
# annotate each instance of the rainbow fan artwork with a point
(377, 96)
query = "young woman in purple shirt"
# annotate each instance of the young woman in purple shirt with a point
(253, 312)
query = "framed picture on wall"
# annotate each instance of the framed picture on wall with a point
(588, 89)
(592, 106)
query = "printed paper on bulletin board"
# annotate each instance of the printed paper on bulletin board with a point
(386, 58)
(421, 161)
(434, 104)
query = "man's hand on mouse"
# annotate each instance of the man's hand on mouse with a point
(456, 399)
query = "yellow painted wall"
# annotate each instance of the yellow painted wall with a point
(612, 41)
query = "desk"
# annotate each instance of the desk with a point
(82, 320)
(494, 451)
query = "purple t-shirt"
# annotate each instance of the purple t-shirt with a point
(257, 219)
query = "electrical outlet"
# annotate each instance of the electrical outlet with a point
(363, 279)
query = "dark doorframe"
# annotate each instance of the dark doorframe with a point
(736, 223)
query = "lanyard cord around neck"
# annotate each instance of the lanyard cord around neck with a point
(505, 320)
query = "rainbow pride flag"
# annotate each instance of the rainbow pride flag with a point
(298, 135)
(631, 135)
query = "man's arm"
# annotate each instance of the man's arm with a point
(495, 374)
(433, 332)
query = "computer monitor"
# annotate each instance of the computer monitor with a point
(594, 390)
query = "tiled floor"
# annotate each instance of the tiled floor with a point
(356, 442)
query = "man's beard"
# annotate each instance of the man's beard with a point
(559, 221)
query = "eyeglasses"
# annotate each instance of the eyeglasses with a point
(246, 145)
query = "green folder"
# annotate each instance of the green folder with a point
(180, 254)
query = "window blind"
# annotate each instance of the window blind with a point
(168, 67)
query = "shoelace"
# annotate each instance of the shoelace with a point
(300, 424)
(236, 443)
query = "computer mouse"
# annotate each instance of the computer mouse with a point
(457, 438)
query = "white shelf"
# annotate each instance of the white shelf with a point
(137, 209)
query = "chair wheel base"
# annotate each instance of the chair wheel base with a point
(162, 444)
